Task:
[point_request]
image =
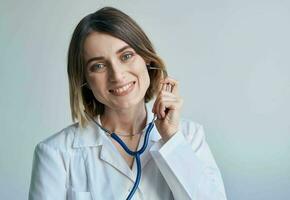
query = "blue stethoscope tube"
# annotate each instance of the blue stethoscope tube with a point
(135, 154)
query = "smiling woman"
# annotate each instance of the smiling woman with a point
(115, 73)
(119, 148)
(90, 53)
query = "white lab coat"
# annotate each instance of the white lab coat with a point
(83, 164)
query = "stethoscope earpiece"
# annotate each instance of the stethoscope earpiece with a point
(84, 84)
(149, 67)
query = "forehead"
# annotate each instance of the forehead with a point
(102, 44)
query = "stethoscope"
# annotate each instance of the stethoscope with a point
(135, 154)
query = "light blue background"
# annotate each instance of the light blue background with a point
(230, 57)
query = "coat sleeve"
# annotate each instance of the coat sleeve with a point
(187, 165)
(48, 179)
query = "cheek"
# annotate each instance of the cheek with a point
(146, 79)
(139, 69)
(98, 88)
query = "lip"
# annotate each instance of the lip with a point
(123, 93)
(119, 86)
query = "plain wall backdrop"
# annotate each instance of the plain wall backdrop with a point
(230, 57)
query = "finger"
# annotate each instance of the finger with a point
(170, 80)
(171, 104)
(162, 95)
(165, 85)
(168, 87)
(174, 84)
(166, 94)
(160, 109)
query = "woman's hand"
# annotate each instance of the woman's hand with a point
(167, 108)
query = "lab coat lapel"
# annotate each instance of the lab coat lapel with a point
(93, 136)
(111, 155)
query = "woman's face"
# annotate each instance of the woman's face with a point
(117, 76)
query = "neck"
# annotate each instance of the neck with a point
(128, 121)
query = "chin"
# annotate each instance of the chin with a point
(128, 104)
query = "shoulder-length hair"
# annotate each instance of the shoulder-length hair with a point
(118, 24)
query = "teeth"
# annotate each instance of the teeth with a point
(123, 89)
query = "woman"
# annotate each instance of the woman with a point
(113, 72)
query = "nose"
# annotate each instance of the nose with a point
(116, 72)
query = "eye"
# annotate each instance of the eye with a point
(98, 67)
(126, 56)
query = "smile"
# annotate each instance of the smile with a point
(124, 90)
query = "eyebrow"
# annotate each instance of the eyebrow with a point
(102, 57)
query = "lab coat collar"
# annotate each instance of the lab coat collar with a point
(93, 136)
(88, 136)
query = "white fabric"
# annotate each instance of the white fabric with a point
(83, 164)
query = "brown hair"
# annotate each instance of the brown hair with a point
(115, 23)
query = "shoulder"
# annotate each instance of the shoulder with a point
(193, 131)
(189, 124)
(190, 127)
(52, 155)
(61, 140)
